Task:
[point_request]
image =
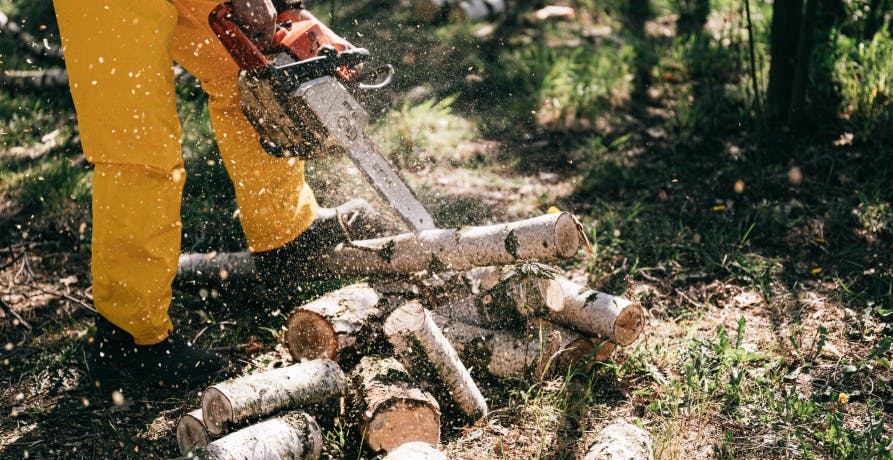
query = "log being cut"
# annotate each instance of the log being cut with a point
(599, 314)
(416, 451)
(333, 323)
(191, 432)
(290, 436)
(263, 393)
(428, 355)
(504, 354)
(391, 408)
(548, 237)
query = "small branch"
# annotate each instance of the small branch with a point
(59, 294)
(9, 311)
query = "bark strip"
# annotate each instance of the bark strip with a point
(429, 356)
(548, 237)
(393, 410)
(333, 323)
(191, 432)
(291, 436)
(254, 396)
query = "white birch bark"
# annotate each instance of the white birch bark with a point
(333, 322)
(290, 436)
(391, 408)
(548, 237)
(263, 393)
(599, 314)
(428, 355)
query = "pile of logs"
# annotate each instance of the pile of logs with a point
(398, 351)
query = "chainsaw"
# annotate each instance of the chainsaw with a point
(297, 94)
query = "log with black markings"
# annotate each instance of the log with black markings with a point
(488, 298)
(392, 409)
(598, 314)
(429, 356)
(289, 436)
(548, 237)
(264, 393)
(334, 323)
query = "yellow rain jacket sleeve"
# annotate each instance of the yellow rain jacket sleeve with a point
(119, 56)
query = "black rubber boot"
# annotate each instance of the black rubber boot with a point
(173, 362)
(281, 268)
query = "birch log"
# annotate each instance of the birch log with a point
(428, 355)
(548, 237)
(264, 393)
(291, 436)
(392, 409)
(545, 347)
(415, 451)
(525, 291)
(333, 323)
(191, 432)
(596, 313)
(621, 441)
(35, 79)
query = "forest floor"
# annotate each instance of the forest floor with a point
(764, 261)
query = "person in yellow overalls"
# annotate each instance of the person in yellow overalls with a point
(119, 57)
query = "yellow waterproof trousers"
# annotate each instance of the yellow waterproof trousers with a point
(119, 56)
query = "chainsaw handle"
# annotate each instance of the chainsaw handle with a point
(246, 54)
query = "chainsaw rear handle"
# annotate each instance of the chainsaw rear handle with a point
(246, 54)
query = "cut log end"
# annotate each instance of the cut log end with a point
(310, 336)
(191, 433)
(551, 293)
(629, 324)
(400, 422)
(567, 238)
(217, 411)
(407, 319)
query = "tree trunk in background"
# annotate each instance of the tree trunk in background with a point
(783, 46)
(875, 18)
(800, 83)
